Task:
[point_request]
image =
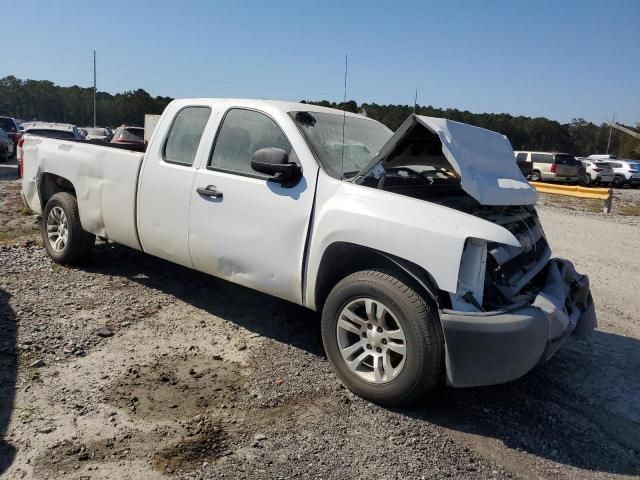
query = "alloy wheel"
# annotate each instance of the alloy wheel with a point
(371, 340)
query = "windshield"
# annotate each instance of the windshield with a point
(7, 124)
(324, 131)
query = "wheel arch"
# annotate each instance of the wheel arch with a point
(49, 184)
(341, 259)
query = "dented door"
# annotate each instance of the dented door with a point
(244, 227)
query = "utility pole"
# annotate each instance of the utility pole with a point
(610, 129)
(94, 89)
(415, 102)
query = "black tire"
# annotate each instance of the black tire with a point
(79, 246)
(423, 367)
(618, 181)
(535, 176)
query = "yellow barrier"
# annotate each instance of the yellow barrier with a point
(605, 194)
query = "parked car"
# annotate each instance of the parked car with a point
(552, 166)
(54, 130)
(525, 166)
(130, 136)
(602, 157)
(596, 172)
(422, 248)
(10, 126)
(6, 146)
(98, 133)
(626, 172)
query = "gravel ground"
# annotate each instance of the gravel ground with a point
(132, 367)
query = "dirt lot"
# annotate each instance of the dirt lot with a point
(132, 367)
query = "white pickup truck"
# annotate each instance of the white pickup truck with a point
(421, 248)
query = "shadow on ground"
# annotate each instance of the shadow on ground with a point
(581, 409)
(8, 374)
(242, 306)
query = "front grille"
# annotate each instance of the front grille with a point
(509, 269)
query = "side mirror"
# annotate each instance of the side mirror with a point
(275, 162)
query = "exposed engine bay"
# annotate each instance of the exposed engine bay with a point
(492, 276)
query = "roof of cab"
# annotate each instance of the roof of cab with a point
(266, 105)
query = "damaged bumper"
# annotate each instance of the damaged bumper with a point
(486, 348)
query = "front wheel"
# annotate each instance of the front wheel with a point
(382, 338)
(618, 181)
(62, 233)
(536, 177)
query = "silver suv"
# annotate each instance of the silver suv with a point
(550, 166)
(626, 172)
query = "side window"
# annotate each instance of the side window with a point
(184, 136)
(521, 157)
(243, 132)
(541, 158)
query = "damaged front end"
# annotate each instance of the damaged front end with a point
(496, 346)
(514, 306)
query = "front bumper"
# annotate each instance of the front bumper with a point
(487, 348)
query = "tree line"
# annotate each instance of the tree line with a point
(43, 100)
(579, 137)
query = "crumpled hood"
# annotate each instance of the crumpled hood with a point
(483, 159)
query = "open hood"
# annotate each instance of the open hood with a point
(483, 159)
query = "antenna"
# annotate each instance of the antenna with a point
(415, 102)
(344, 113)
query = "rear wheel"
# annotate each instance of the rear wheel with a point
(535, 176)
(382, 338)
(62, 233)
(618, 181)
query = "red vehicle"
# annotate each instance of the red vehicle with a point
(131, 136)
(10, 126)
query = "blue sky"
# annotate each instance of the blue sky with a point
(559, 59)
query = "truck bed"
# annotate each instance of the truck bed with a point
(105, 180)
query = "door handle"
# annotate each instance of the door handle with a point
(209, 191)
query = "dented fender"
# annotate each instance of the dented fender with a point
(427, 234)
(104, 179)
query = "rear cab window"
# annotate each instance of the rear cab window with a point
(562, 159)
(185, 134)
(130, 134)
